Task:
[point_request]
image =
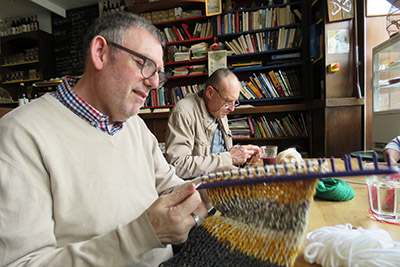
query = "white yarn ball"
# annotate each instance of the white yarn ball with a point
(343, 245)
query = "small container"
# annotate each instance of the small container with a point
(268, 154)
(384, 197)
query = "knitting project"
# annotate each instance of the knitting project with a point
(261, 224)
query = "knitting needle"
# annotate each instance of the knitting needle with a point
(250, 161)
(354, 182)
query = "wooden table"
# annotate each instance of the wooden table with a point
(355, 211)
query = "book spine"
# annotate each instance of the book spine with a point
(278, 77)
(254, 89)
(186, 29)
(275, 82)
(177, 33)
(250, 125)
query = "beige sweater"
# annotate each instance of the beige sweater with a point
(71, 195)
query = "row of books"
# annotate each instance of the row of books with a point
(186, 70)
(184, 32)
(170, 14)
(177, 53)
(265, 41)
(241, 21)
(274, 84)
(169, 96)
(261, 127)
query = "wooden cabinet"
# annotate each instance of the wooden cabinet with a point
(337, 101)
(25, 58)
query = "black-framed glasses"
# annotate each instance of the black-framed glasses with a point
(227, 104)
(148, 68)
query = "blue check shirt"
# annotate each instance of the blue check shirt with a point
(80, 107)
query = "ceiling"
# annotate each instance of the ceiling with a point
(16, 8)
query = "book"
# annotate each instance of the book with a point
(232, 48)
(278, 77)
(259, 89)
(281, 127)
(245, 91)
(269, 85)
(287, 127)
(294, 122)
(254, 89)
(159, 110)
(144, 110)
(185, 27)
(244, 43)
(250, 125)
(251, 91)
(276, 83)
(180, 38)
(261, 86)
(285, 81)
(249, 43)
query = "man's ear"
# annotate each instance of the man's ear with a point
(98, 52)
(208, 91)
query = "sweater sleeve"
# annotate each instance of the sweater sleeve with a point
(394, 144)
(180, 143)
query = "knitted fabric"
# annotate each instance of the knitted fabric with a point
(261, 224)
(334, 189)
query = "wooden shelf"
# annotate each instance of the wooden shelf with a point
(162, 5)
(169, 64)
(20, 63)
(270, 138)
(21, 81)
(193, 40)
(270, 109)
(187, 76)
(162, 23)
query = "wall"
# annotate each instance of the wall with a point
(375, 34)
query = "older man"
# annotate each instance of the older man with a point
(198, 135)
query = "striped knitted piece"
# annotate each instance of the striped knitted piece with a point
(260, 225)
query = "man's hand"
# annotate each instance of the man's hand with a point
(171, 214)
(241, 154)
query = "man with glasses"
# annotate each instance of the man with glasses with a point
(82, 179)
(198, 136)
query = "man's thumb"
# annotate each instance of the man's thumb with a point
(184, 191)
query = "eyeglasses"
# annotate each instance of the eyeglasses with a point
(226, 104)
(148, 68)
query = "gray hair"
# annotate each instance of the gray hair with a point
(218, 76)
(113, 28)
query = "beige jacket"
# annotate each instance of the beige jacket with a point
(190, 132)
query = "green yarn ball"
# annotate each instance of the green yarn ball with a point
(334, 189)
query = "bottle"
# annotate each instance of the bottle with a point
(28, 24)
(108, 7)
(122, 5)
(23, 24)
(32, 21)
(22, 100)
(104, 8)
(13, 27)
(34, 94)
(20, 24)
(36, 23)
(117, 8)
